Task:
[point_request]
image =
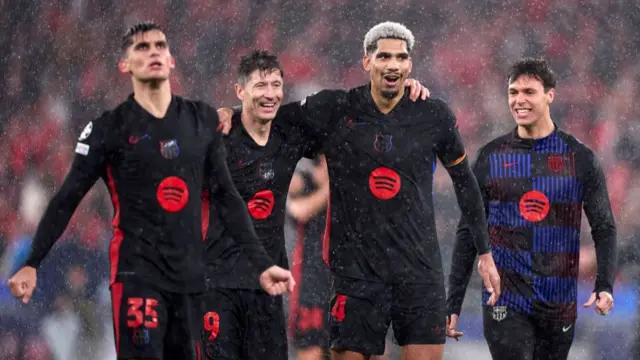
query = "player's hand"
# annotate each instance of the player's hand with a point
(490, 277)
(452, 323)
(416, 90)
(296, 209)
(224, 116)
(604, 302)
(276, 280)
(23, 283)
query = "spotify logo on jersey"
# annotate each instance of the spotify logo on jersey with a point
(172, 194)
(534, 206)
(261, 204)
(384, 183)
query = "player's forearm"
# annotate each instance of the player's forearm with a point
(462, 260)
(309, 206)
(56, 218)
(604, 237)
(603, 228)
(235, 214)
(471, 204)
(239, 224)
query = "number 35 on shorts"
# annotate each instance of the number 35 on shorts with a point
(137, 316)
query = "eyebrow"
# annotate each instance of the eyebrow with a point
(386, 53)
(147, 43)
(524, 89)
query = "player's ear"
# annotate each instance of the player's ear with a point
(172, 62)
(366, 62)
(123, 65)
(551, 94)
(239, 92)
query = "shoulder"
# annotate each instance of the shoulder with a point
(575, 145)
(325, 97)
(198, 106)
(494, 145)
(585, 157)
(436, 110)
(436, 106)
(101, 125)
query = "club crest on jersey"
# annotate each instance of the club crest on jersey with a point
(169, 149)
(383, 143)
(141, 337)
(555, 163)
(499, 313)
(265, 170)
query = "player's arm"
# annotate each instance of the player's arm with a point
(464, 251)
(303, 208)
(315, 114)
(233, 209)
(603, 228)
(88, 165)
(450, 150)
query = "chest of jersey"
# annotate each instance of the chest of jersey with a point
(262, 173)
(170, 145)
(383, 149)
(162, 159)
(528, 187)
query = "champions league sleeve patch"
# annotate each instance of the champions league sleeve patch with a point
(86, 132)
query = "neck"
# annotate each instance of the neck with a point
(155, 97)
(543, 128)
(384, 104)
(258, 131)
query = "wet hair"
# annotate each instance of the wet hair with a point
(387, 30)
(537, 68)
(139, 28)
(260, 60)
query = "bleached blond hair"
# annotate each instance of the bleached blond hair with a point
(387, 30)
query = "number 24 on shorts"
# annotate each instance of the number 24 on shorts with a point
(338, 308)
(135, 306)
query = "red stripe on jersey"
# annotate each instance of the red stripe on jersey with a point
(116, 241)
(296, 271)
(326, 238)
(116, 302)
(205, 214)
(198, 350)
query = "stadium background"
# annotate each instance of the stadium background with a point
(59, 71)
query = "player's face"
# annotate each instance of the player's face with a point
(528, 101)
(389, 66)
(262, 94)
(148, 58)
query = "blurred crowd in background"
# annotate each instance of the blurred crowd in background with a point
(59, 72)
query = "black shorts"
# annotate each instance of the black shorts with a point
(152, 323)
(518, 336)
(361, 312)
(242, 324)
(309, 304)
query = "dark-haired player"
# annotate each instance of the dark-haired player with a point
(535, 181)
(152, 152)
(381, 151)
(239, 319)
(309, 303)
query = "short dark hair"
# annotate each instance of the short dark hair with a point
(534, 67)
(142, 27)
(261, 60)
